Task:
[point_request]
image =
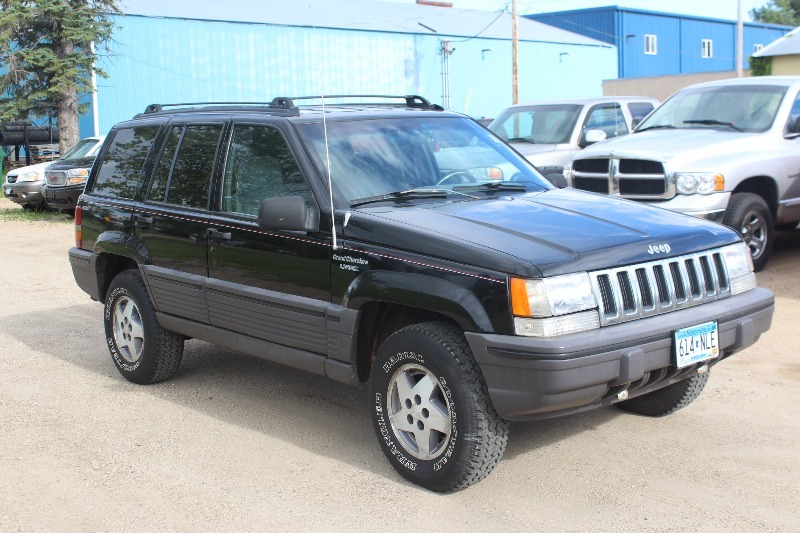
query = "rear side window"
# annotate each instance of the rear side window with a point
(121, 168)
(184, 178)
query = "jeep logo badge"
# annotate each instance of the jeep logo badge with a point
(658, 249)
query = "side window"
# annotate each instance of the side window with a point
(708, 48)
(607, 118)
(260, 165)
(650, 44)
(122, 165)
(158, 187)
(189, 181)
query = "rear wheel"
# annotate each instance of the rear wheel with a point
(749, 214)
(669, 399)
(431, 410)
(142, 350)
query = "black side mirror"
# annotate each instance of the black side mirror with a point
(793, 130)
(289, 213)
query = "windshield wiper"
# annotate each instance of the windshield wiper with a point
(494, 186)
(712, 122)
(521, 140)
(657, 127)
(401, 195)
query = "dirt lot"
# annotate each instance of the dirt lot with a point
(236, 443)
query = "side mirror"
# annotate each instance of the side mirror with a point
(635, 122)
(593, 136)
(289, 213)
(793, 131)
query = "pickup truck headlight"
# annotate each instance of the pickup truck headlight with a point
(739, 263)
(699, 182)
(28, 176)
(77, 175)
(553, 306)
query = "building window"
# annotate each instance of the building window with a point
(708, 49)
(650, 45)
(757, 47)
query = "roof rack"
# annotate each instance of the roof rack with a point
(287, 102)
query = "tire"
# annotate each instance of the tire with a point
(749, 214)
(449, 437)
(667, 400)
(142, 350)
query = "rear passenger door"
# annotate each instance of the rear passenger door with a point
(172, 222)
(272, 285)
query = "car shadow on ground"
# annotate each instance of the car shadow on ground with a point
(302, 409)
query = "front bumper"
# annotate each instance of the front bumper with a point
(24, 192)
(530, 378)
(709, 206)
(62, 197)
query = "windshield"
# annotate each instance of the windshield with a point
(749, 108)
(386, 155)
(80, 150)
(540, 124)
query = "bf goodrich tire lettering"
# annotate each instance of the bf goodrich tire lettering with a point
(431, 411)
(141, 349)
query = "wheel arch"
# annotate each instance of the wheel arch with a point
(763, 186)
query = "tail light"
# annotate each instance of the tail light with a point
(78, 232)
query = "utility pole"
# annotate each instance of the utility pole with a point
(739, 43)
(514, 58)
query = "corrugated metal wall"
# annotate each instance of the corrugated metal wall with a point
(679, 39)
(162, 60)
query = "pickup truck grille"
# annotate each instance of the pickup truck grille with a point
(648, 289)
(56, 178)
(629, 178)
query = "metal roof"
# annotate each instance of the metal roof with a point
(363, 15)
(788, 44)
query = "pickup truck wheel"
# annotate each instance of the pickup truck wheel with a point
(749, 214)
(142, 350)
(669, 399)
(431, 410)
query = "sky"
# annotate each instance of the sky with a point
(721, 9)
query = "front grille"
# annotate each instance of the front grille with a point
(648, 289)
(56, 178)
(629, 178)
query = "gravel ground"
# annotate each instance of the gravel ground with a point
(235, 443)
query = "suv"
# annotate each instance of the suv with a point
(549, 133)
(725, 150)
(24, 185)
(407, 248)
(66, 178)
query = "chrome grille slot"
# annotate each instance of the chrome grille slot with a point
(657, 287)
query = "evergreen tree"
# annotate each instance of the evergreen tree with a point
(785, 12)
(46, 58)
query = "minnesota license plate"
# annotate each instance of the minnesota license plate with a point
(696, 344)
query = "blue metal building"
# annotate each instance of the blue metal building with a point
(200, 50)
(651, 43)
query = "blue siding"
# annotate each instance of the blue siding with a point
(163, 60)
(679, 38)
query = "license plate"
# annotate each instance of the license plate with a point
(696, 344)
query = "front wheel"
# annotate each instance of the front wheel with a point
(142, 350)
(431, 410)
(666, 401)
(749, 214)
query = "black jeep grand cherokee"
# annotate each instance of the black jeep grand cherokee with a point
(408, 248)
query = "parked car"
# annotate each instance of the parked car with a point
(351, 243)
(24, 185)
(727, 151)
(66, 178)
(549, 133)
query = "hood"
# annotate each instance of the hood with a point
(38, 167)
(674, 146)
(78, 162)
(554, 232)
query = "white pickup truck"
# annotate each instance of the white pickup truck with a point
(727, 151)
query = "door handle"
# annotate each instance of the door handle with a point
(226, 236)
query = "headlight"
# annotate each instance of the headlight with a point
(739, 263)
(77, 175)
(699, 182)
(553, 306)
(28, 176)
